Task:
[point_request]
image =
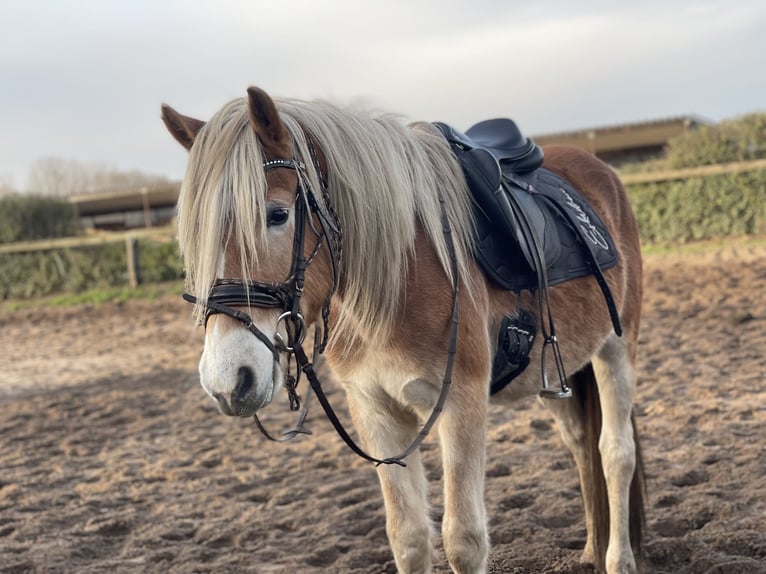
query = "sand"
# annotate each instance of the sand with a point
(112, 458)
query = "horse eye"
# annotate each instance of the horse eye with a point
(277, 216)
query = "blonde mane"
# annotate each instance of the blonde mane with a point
(384, 178)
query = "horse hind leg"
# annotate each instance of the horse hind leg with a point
(579, 422)
(620, 455)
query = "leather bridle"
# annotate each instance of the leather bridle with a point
(286, 295)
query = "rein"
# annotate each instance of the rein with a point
(308, 368)
(286, 295)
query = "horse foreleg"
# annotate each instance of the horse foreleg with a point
(614, 377)
(386, 430)
(462, 431)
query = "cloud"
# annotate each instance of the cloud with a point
(84, 80)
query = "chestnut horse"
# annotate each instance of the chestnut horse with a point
(370, 221)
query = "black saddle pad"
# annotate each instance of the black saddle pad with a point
(569, 228)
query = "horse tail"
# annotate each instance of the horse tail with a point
(586, 391)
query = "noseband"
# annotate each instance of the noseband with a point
(227, 293)
(287, 295)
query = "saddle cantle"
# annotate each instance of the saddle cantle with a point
(533, 230)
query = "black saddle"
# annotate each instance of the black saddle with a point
(521, 207)
(502, 139)
(534, 229)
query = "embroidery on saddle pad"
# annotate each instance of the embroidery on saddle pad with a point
(572, 232)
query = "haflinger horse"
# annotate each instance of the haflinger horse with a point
(295, 214)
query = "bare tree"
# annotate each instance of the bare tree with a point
(62, 178)
(6, 186)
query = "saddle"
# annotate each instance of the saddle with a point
(533, 230)
(502, 140)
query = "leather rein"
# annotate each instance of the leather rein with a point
(287, 296)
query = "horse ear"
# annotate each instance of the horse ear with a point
(268, 126)
(183, 128)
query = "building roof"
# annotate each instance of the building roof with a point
(129, 199)
(653, 133)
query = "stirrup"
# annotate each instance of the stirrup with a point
(547, 392)
(564, 393)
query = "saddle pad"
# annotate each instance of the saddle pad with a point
(570, 230)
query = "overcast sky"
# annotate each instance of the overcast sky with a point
(84, 79)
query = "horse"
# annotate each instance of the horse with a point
(295, 215)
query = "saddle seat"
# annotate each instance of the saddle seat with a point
(503, 140)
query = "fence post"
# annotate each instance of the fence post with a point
(131, 250)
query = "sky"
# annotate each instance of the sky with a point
(84, 79)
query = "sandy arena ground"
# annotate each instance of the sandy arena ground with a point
(112, 459)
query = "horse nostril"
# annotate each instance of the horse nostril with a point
(245, 380)
(223, 406)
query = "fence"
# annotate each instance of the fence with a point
(700, 171)
(161, 234)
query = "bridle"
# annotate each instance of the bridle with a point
(286, 295)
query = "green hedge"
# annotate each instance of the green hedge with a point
(24, 275)
(701, 207)
(737, 139)
(29, 217)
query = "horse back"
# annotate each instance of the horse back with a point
(600, 185)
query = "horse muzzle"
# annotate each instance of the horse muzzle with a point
(243, 401)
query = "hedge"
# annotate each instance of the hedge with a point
(737, 139)
(30, 217)
(39, 273)
(701, 207)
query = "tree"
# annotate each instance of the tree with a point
(62, 178)
(6, 187)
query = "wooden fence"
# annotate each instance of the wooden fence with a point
(163, 234)
(700, 171)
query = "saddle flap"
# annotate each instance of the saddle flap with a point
(485, 168)
(539, 225)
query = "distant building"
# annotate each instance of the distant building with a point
(144, 206)
(625, 143)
